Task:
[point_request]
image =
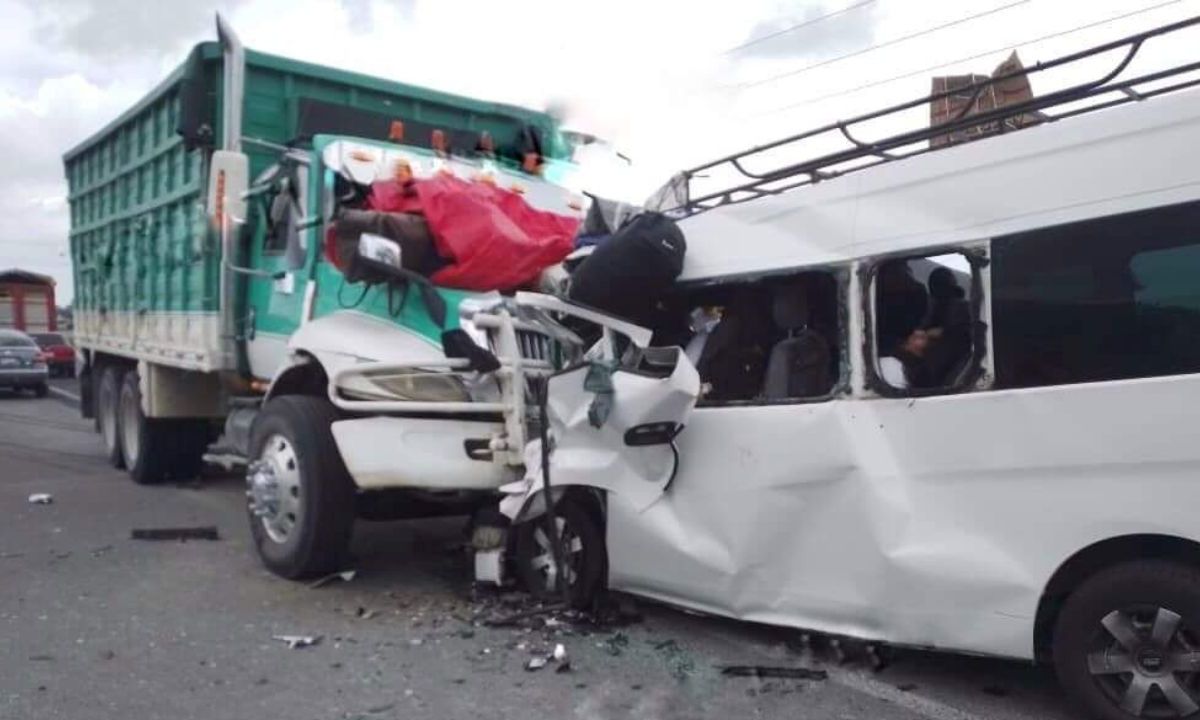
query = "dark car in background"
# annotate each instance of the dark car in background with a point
(22, 363)
(60, 355)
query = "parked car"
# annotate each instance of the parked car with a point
(22, 363)
(60, 355)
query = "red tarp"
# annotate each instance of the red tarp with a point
(493, 239)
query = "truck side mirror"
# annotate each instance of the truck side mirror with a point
(228, 178)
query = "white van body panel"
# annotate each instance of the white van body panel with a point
(602, 457)
(906, 520)
(931, 521)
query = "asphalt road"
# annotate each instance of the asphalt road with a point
(94, 624)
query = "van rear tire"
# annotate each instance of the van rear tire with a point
(107, 399)
(301, 506)
(1127, 641)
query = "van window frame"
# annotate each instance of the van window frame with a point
(977, 254)
(841, 273)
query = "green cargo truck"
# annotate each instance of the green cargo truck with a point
(209, 321)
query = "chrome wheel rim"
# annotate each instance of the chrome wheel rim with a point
(570, 547)
(274, 492)
(130, 437)
(1147, 662)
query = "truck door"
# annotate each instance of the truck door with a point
(281, 255)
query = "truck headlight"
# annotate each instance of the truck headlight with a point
(408, 385)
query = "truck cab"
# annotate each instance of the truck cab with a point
(216, 318)
(366, 358)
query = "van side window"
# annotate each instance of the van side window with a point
(767, 340)
(923, 322)
(1107, 299)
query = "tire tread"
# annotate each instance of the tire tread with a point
(329, 512)
(1139, 581)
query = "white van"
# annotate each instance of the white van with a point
(942, 402)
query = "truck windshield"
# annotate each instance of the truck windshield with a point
(559, 185)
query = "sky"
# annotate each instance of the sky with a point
(671, 83)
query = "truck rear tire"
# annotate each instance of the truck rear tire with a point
(153, 449)
(301, 505)
(108, 397)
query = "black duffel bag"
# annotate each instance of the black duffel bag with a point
(627, 275)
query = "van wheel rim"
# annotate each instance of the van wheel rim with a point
(274, 488)
(130, 438)
(570, 547)
(1147, 662)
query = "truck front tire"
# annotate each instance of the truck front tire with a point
(301, 506)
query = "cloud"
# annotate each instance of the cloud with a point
(34, 131)
(115, 29)
(812, 31)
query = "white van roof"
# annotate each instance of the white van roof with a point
(1135, 156)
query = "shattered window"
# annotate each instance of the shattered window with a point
(923, 322)
(1106, 299)
(771, 339)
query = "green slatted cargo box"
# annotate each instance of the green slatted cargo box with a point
(147, 268)
(205, 308)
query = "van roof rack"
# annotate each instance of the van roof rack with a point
(895, 147)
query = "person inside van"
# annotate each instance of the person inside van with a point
(948, 328)
(903, 362)
(734, 357)
(702, 322)
(902, 307)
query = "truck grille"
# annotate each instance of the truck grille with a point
(534, 345)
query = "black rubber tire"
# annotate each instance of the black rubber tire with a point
(158, 456)
(41, 390)
(1163, 583)
(591, 572)
(108, 395)
(320, 541)
(192, 438)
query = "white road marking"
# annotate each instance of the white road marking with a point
(64, 394)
